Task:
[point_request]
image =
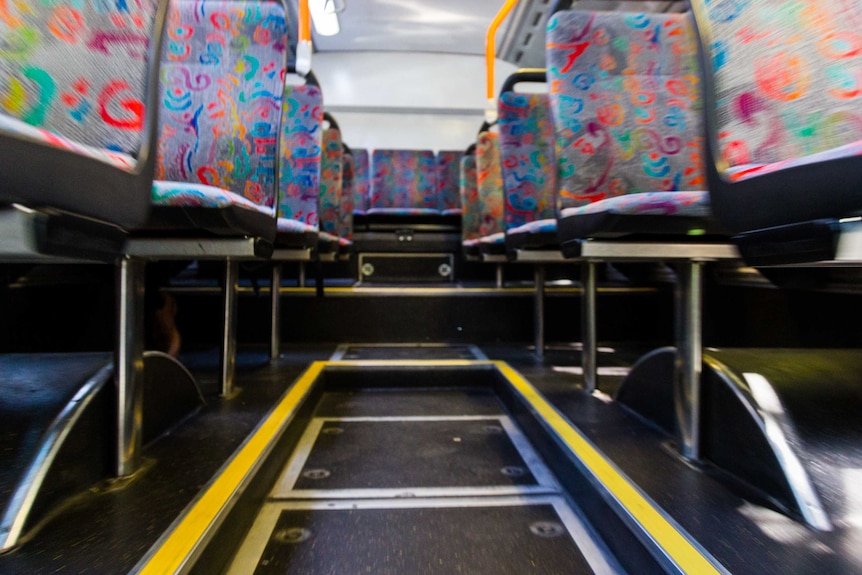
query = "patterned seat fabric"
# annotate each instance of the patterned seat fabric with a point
(404, 182)
(299, 171)
(471, 208)
(331, 174)
(345, 219)
(223, 70)
(528, 159)
(489, 181)
(73, 76)
(783, 122)
(361, 181)
(626, 104)
(448, 181)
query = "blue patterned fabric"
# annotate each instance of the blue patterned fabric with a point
(361, 181)
(691, 204)
(301, 148)
(331, 175)
(528, 159)
(449, 181)
(404, 179)
(345, 219)
(223, 70)
(537, 227)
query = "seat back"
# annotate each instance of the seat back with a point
(626, 105)
(782, 83)
(348, 182)
(331, 177)
(361, 181)
(223, 74)
(301, 144)
(79, 84)
(489, 182)
(448, 180)
(527, 153)
(471, 207)
(404, 179)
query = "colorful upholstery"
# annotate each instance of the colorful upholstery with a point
(625, 98)
(361, 181)
(785, 88)
(471, 207)
(626, 102)
(222, 75)
(331, 174)
(78, 70)
(73, 78)
(547, 226)
(299, 170)
(489, 180)
(528, 158)
(288, 226)
(404, 179)
(345, 220)
(448, 181)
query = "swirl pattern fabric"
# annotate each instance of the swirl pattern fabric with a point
(331, 175)
(528, 158)
(77, 71)
(345, 215)
(448, 181)
(301, 142)
(471, 208)
(626, 104)
(489, 181)
(361, 182)
(223, 70)
(787, 80)
(404, 179)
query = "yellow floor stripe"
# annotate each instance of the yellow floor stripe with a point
(175, 550)
(674, 544)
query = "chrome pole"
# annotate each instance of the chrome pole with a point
(687, 388)
(499, 275)
(129, 364)
(275, 301)
(228, 347)
(588, 326)
(302, 274)
(539, 324)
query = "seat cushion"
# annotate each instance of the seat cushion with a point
(404, 211)
(17, 127)
(536, 235)
(181, 194)
(651, 213)
(746, 171)
(289, 226)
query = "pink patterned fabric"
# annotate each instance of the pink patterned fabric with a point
(693, 204)
(448, 181)
(404, 179)
(489, 180)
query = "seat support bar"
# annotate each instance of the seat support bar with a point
(588, 325)
(275, 312)
(129, 364)
(687, 388)
(227, 362)
(539, 325)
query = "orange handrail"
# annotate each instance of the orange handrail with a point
(303, 46)
(491, 48)
(304, 21)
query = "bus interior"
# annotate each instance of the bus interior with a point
(555, 286)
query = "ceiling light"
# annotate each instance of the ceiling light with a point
(324, 17)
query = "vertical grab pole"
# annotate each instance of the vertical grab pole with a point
(228, 346)
(490, 57)
(539, 321)
(689, 357)
(129, 364)
(588, 326)
(303, 45)
(275, 303)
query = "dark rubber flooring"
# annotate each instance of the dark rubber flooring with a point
(401, 454)
(402, 402)
(521, 540)
(367, 352)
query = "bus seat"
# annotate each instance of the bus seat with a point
(345, 215)
(404, 183)
(220, 118)
(78, 121)
(784, 138)
(528, 164)
(626, 107)
(299, 169)
(471, 212)
(361, 182)
(489, 179)
(331, 180)
(448, 182)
